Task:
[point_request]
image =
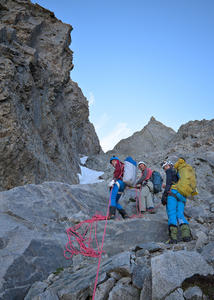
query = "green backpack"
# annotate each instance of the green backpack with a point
(186, 184)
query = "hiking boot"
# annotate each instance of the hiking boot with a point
(171, 241)
(151, 210)
(185, 232)
(123, 213)
(186, 239)
(172, 232)
(112, 211)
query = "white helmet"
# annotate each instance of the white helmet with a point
(141, 162)
(171, 163)
(165, 163)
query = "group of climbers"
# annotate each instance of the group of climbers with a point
(171, 198)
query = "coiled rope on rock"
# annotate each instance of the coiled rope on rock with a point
(84, 242)
(85, 247)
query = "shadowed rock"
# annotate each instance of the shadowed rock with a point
(44, 115)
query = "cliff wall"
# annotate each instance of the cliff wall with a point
(44, 123)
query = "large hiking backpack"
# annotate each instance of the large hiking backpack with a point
(157, 182)
(186, 184)
(130, 171)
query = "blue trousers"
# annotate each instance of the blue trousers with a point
(114, 194)
(175, 209)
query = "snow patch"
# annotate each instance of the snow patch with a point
(83, 159)
(88, 176)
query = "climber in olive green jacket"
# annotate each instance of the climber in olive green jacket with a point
(175, 204)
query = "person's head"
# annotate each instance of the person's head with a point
(114, 160)
(182, 159)
(166, 165)
(142, 165)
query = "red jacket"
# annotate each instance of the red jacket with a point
(119, 170)
(145, 175)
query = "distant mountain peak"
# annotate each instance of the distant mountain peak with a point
(152, 119)
(152, 137)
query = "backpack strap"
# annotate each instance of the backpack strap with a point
(122, 169)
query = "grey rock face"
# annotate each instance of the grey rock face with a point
(176, 295)
(81, 289)
(139, 275)
(170, 269)
(146, 292)
(151, 247)
(195, 134)
(37, 290)
(44, 122)
(208, 253)
(193, 293)
(152, 137)
(34, 220)
(103, 289)
(124, 292)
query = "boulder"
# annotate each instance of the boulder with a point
(170, 269)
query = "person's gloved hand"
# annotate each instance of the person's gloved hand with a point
(164, 198)
(111, 183)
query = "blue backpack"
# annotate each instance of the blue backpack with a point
(157, 182)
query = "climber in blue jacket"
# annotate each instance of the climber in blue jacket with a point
(175, 204)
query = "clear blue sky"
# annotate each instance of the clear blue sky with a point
(134, 59)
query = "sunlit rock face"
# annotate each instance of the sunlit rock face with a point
(151, 138)
(44, 123)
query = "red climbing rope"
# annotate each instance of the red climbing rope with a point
(139, 205)
(84, 242)
(98, 267)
